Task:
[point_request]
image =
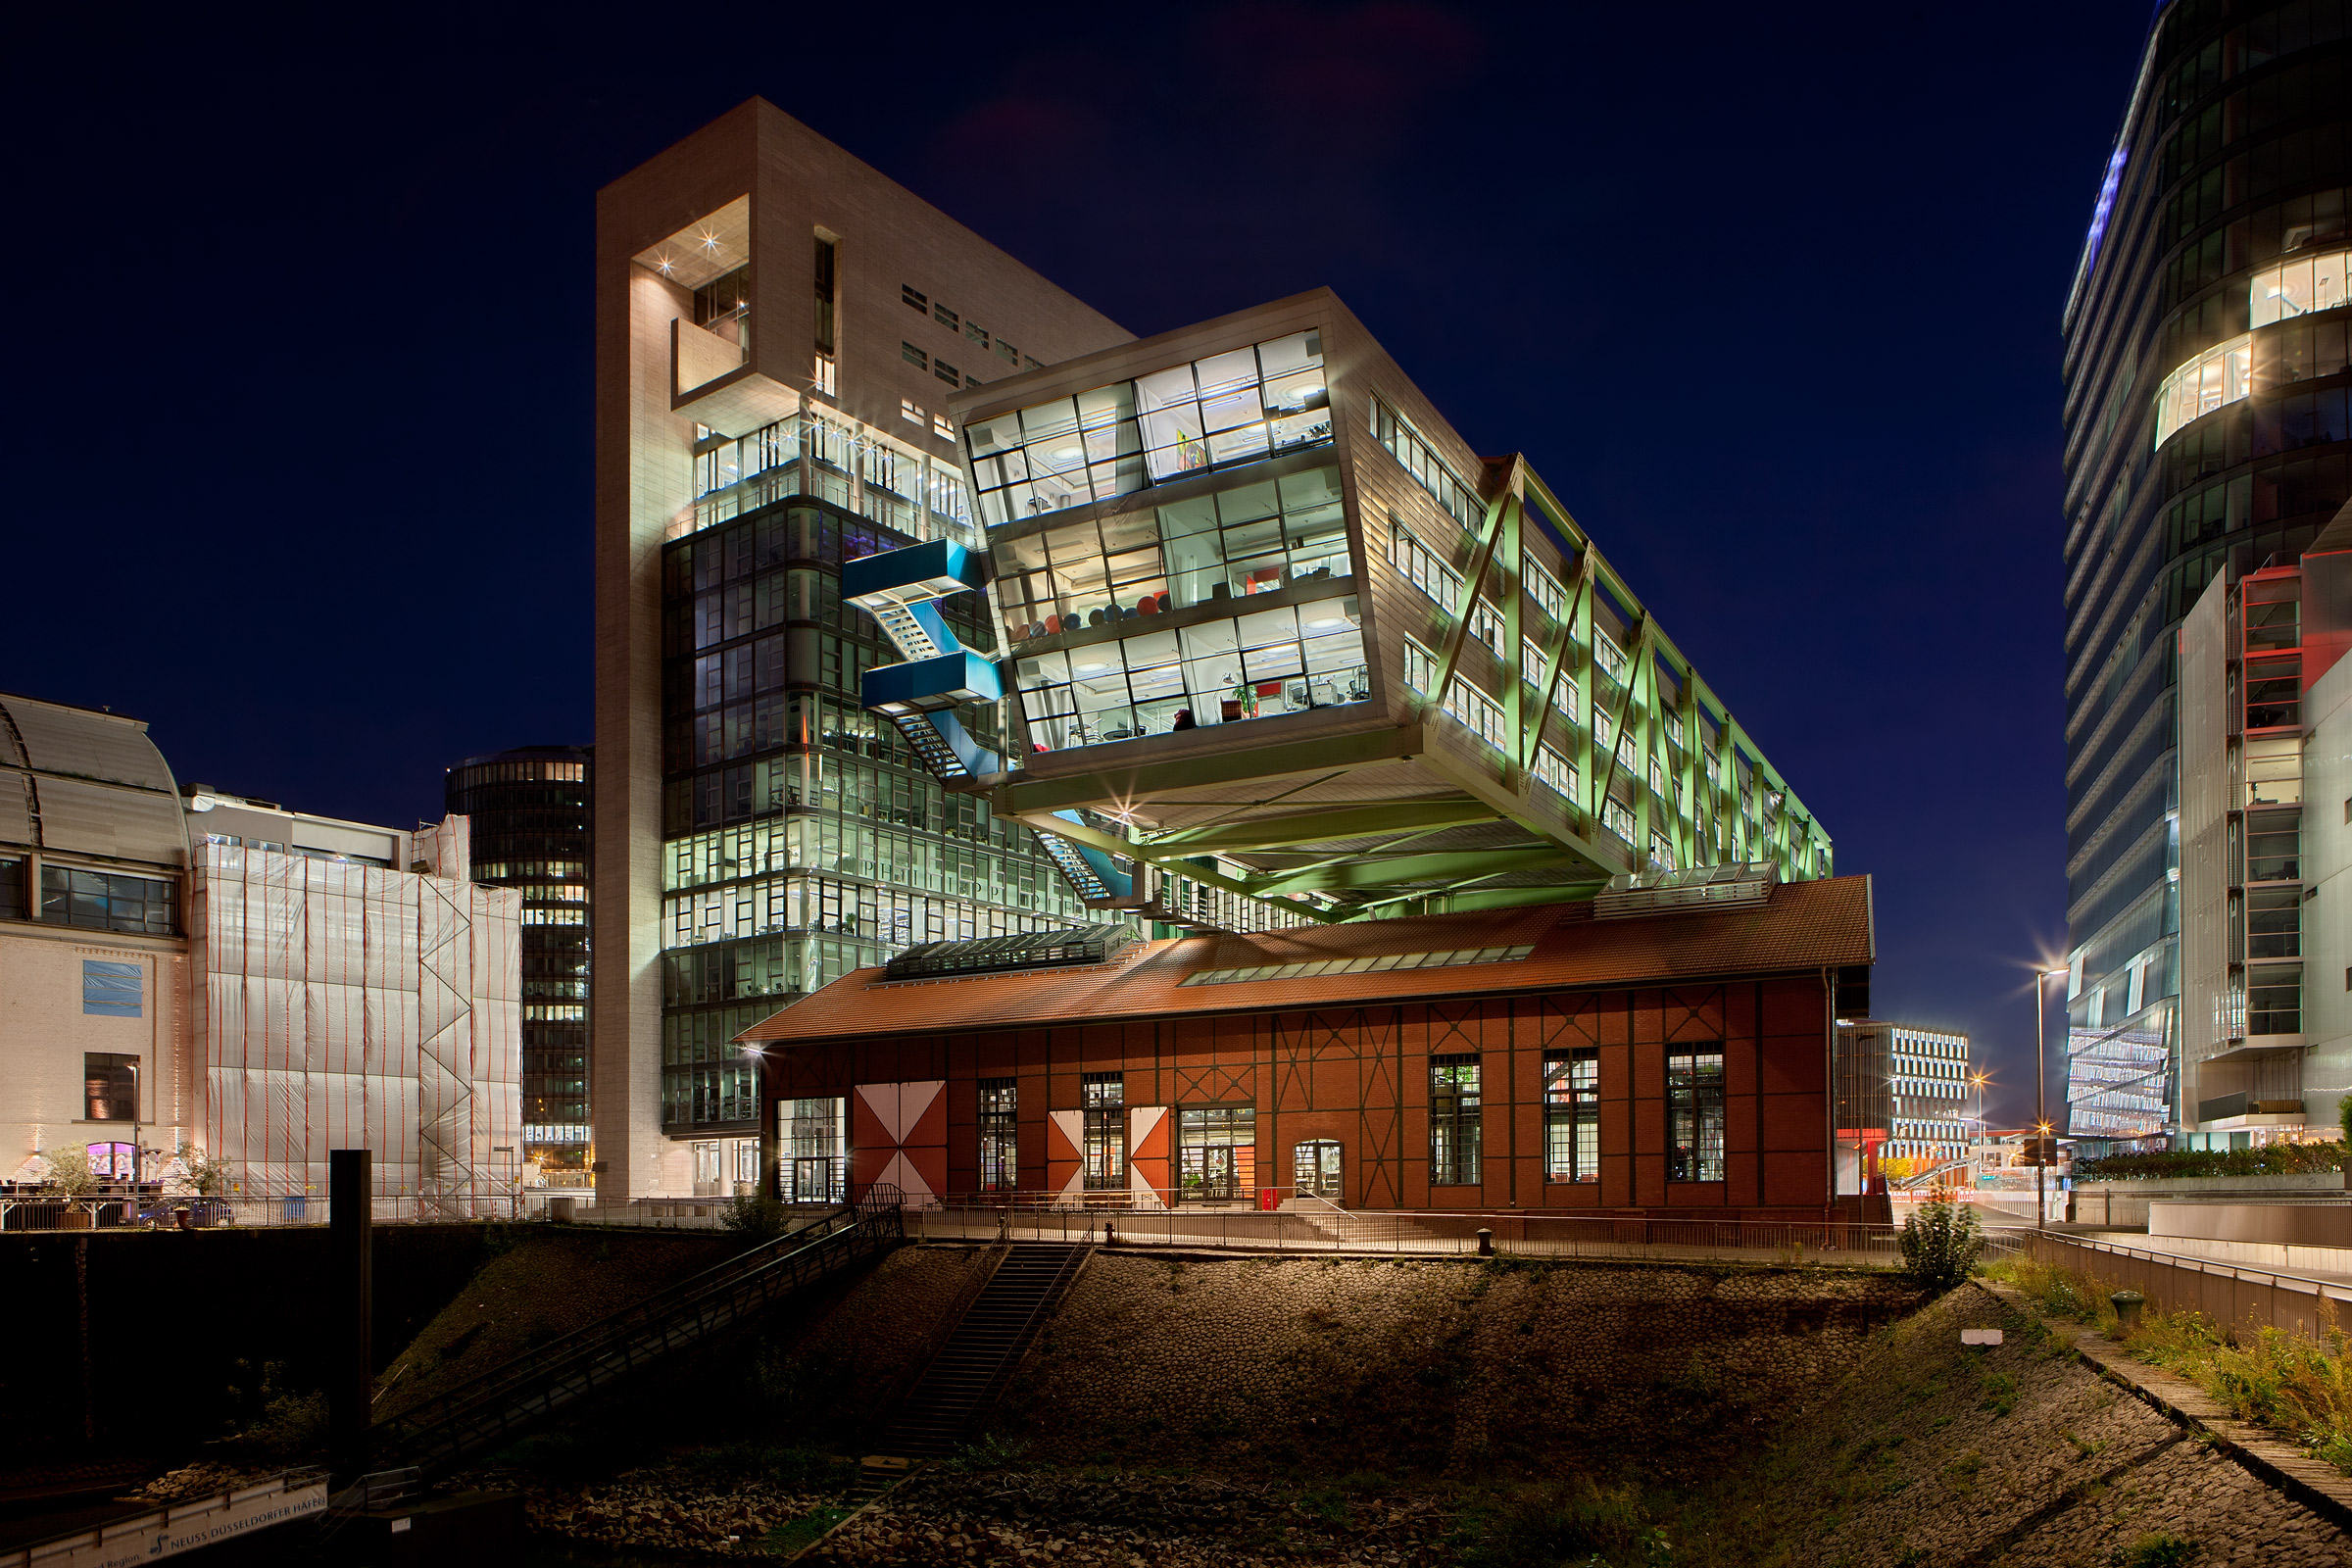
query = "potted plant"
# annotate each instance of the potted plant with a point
(71, 1178)
(1240, 702)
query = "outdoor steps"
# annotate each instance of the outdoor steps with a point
(1348, 1228)
(980, 1353)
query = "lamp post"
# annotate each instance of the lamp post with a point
(2041, 1120)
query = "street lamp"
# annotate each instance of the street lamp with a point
(2041, 1120)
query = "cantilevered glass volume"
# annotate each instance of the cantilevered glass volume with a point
(2206, 435)
(1283, 649)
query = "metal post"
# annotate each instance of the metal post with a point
(349, 1311)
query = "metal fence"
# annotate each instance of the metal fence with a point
(1327, 1228)
(147, 1211)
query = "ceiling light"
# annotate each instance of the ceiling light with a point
(709, 240)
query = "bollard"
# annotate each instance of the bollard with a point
(1485, 1242)
(2127, 1305)
(1111, 1233)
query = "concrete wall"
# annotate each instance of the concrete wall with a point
(2226, 1293)
(44, 1033)
(2124, 1206)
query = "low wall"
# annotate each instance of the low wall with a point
(2226, 1293)
(2124, 1206)
(2305, 1224)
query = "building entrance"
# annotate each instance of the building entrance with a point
(1217, 1153)
(1316, 1170)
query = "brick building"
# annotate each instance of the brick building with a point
(1664, 1048)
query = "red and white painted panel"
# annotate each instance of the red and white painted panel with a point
(898, 1134)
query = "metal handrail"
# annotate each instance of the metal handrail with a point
(509, 1397)
(1062, 1276)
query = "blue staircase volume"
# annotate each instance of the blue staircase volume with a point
(902, 589)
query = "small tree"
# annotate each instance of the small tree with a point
(207, 1177)
(69, 1172)
(1940, 1240)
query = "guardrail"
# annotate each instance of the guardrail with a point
(1557, 1236)
(501, 1402)
(150, 1211)
(2231, 1295)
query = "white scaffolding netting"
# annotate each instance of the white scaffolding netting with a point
(349, 1006)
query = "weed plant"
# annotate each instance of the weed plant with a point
(2282, 1381)
(1941, 1241)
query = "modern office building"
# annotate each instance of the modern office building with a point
(185, 969)
(527, 815)
(1927, 1104)
(2266, 828)
(1635, 1054)
(1282, 642)
(778, 328)
(2205, 436)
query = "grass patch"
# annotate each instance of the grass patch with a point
(2301, 1387)
(2156, 1552)
(792, 1536)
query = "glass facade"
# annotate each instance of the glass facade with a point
(528, 818)
(2204, 424)
(801, 837)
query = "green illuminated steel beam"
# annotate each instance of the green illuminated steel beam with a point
(1458, 866)
(1110, 843)
(1324, 827)
(1143, 782)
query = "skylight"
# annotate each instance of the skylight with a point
(1392, 960)
(1066, 948)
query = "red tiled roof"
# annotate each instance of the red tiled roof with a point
(1803, 926)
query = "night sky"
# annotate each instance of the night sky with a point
(298, 430)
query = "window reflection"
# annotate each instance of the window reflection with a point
(1233, 408)
(1290, 659)
(1251, 539)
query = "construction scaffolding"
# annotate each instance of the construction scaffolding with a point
(348, 1006)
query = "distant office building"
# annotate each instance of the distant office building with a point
(2265, 829)
(2206, 435)
(778, 328)
(527, 812)
(186, 971)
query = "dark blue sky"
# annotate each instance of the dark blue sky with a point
(298, 435)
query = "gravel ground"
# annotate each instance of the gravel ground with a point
(1129, 1519)
(1937, 1454)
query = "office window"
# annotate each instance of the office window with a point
(1572, 1114)
(1553, 772)
(825, 378)
(910, 410)
(1694, 1117)
(1000, 1134)
(1423, 569)
(1404, 443)
(105, 902)
(945, 317)
(1012, 356)
(977, 334)
(2275, 999)
(945, 373)
(1229, 409)
(913, 355)
(827, 255)
(15, 905)
(111, 990)
(2215, 378)
(1545, 590)
(915, 298)
(1453, 1121)
(110, 1086)
(2298, 287)
(1103, 1095)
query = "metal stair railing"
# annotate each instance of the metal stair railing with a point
(1050, 1298)
(500, 1403)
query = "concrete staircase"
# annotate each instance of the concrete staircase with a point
(971, 1369)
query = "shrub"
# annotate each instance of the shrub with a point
(1940, 1241)
(2271, 1160)
(757, 1216)
(1575, 1520)
(69, 1171)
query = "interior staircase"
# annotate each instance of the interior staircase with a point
(972, 1368)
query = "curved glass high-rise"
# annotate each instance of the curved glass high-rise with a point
(2205, 427)
(529, 829)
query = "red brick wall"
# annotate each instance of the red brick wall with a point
(1360, 1076)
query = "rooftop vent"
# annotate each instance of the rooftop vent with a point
(1704, 887)
(1069, 947)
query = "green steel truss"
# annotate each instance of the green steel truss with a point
(1305, 824)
